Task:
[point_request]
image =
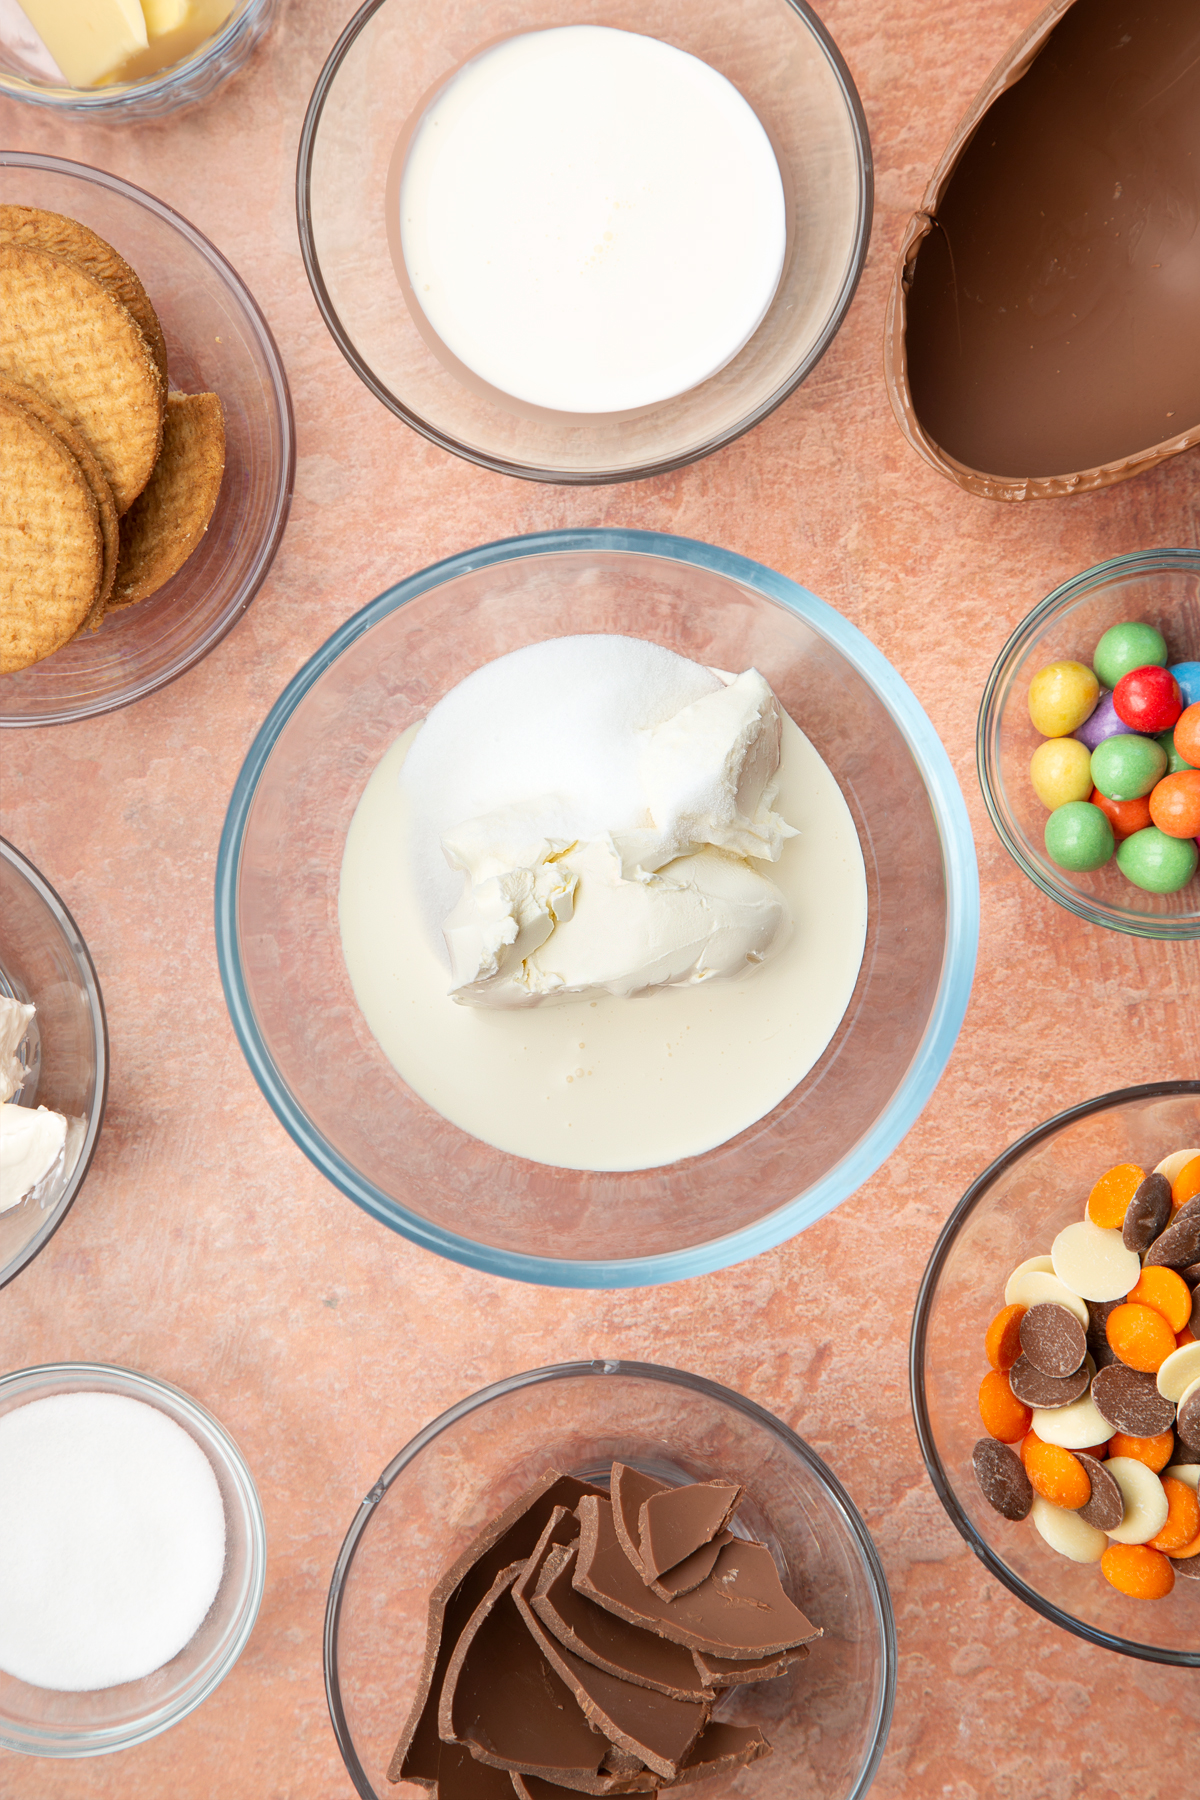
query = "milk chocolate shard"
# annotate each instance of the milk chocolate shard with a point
(505, 1702)
(612, 1644)
(692, 1570)
(629, 1490)
(509, 1538)
(674, 1524)
(719, 1750)
(725, 1671)
(740, 1610)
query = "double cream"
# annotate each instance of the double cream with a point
(34, 1142)
(664, 893)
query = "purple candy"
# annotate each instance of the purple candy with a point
(1103, 723)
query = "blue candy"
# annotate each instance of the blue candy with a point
(1188, 676)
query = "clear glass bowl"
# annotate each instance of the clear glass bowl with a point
(330, 1084)
(1013, 1211)
(383, 68)
(1163, 588)
(44, 961)
(193, 78)
(217, 341)
(42, 1722)
(827, 1719)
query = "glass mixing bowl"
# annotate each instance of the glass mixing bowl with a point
(44, 962)
(1161, 587)
(193, 78)
(330, 1084)
(384, 68)
(43, 1722)
(1014, 1211)
(827, 1718)
(218, 342)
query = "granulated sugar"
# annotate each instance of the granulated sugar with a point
(112, 1540)
(559, 721)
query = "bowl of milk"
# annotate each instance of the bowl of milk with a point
(597, 907)
(575, 251)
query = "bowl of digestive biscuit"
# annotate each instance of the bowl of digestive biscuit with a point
(147, 437)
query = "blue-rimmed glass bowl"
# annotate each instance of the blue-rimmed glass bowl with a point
(827, 1719)
(1013, 1211)
(45, 1722)
(1161, 587)
(326, 1077)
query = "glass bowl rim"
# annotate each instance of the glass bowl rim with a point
(643, 1371)
(942, 1485)
(82, 958)
(941, 1029)
(83, 101)
(264, 339)
(1133, 562)
(444, 440)
(215, 1436)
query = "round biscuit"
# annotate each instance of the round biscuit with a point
(51, 546)
(63, 334)
(75, 243)
(171, 515)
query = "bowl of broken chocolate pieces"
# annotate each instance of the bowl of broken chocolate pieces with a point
(609, 1578)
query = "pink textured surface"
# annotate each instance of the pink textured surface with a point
(205, 1249)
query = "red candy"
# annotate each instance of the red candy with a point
(1148, 699)
(1125, 816)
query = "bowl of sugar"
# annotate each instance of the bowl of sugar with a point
(591, 247)
(132, 1558)
(597, 908)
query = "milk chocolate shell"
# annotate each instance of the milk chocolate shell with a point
(1041, 329)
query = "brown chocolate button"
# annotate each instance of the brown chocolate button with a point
(1106, 1507)
(1053, 1340)
(1033, 1388)
(1179, 1244)
(1002, 1479)
(1147, 1214)
(1099, 1348)
(1131, 1402)
(1187, 1425)
(1187, 1566)
(1192, 1275)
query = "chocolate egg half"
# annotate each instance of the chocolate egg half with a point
(1043, 330)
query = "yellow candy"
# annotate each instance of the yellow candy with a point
(1061, 770)
(1061, 697)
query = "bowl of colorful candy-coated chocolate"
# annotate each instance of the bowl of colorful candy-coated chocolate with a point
(1088, 746)
(1071, 1472)
(410, 1613)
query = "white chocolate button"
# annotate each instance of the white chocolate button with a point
(1033, 1265)
(1179, 1372)
(1036, 1286)
(1188, 1473)
(1146, 1503)
(1171, 1165)
(1094, 1263)
(1067, 1533)
(1076, 1427)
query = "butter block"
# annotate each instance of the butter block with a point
(164, 15)
(88, 39)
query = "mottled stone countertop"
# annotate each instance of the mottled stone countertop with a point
(204, 1247)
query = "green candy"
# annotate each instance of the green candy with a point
(1155, 862)
(1175, 762)
(1128, 646)
(1128, 766)
(1079, 837)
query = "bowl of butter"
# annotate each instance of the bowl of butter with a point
(125, 59)
(53, 1061)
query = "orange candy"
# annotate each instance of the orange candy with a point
(1140, 1337)
(1109, 1200)
(1187, 734)
(1155, 1452)
(1138, 1571)
(1175, 804)
(1056, 1474)
(1183, 1518)
(1125, 816)
(1186, 1336)
(1002, 1413)
(1188, 1551)
(1003, 1340)
(1167, 1293)
(1186, 1184)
